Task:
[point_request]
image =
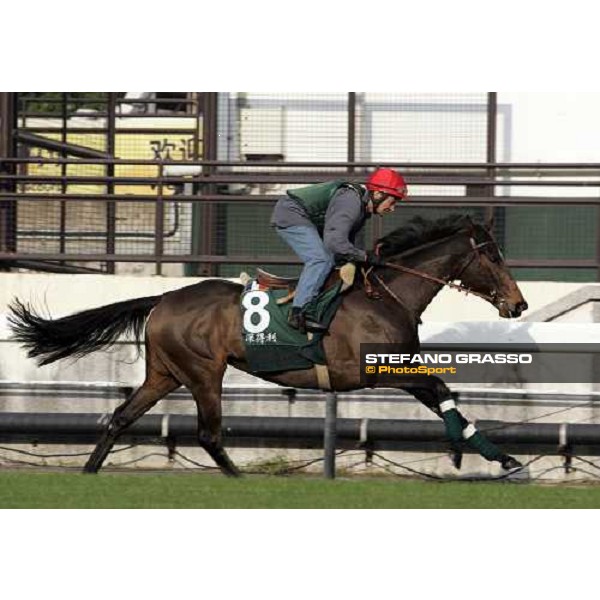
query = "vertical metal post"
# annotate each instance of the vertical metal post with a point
(190, 268)
(492, 118)
(206, 213)
(198, 115)
(63, 169)
(351, 129)
(159, 218)
(597, 208)
(352, 149)
(8, 208)
(492, 126)
(190, 108)
(111, 209)
(330, 434)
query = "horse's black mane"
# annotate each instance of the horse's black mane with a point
(419, 231)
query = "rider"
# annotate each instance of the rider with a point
(320, 222)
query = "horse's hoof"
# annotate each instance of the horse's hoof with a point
(509, 463)
(456, 458)
(232, 473)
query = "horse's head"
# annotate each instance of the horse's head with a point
(455, 248)
(483, 270)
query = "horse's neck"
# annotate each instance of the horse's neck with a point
(437, 261)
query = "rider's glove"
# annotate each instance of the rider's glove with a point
(342, 259)
(373, 260)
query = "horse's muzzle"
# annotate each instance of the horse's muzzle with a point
(512, 311)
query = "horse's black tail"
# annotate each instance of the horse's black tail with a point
(81, 333)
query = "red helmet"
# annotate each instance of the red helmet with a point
(389, 182)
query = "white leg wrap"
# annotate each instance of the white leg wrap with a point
(469, 431)
(447, 405)
(164, 426)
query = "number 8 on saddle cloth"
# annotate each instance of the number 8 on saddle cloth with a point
(271, 344)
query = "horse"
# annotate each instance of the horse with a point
(192, 334)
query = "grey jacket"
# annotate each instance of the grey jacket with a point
(345, 217)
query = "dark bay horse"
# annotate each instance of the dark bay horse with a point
(192, 334)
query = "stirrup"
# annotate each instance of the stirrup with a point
(314, 326)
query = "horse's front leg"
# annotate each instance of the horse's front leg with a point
(436, 396)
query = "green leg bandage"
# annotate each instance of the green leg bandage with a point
(480, 443)
(452, 420)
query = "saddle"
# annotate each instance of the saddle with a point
(268, 281)
(271, 344)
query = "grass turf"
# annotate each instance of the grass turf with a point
(143, 490)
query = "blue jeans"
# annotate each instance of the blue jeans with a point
(306, 242)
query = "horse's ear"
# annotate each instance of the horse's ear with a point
(489, 224)
(471, 224)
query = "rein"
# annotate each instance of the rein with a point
(426, 276)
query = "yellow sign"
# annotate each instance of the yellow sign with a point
(160, 142)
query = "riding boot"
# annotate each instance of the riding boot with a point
(296, 319)
(312, 322)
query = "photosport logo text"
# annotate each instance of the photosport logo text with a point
(390, 363)
(482, 363)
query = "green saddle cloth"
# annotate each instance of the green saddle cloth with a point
(271, 344)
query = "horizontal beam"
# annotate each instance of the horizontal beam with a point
(288, 178)
(483, 167)
(265, 392)
(50, 267)
(421, 201)
(253, 260)
(166, 258)
(295, 432)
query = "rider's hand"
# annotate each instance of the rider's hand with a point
(342, 259)
(373, 260)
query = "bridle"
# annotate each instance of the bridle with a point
(474, 253)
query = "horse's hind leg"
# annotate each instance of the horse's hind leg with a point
(156, 386)
(208, 402)
(204, 378)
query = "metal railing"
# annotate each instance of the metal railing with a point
(485, 186)
(332, 434)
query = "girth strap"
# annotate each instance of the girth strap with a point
(322, 372)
